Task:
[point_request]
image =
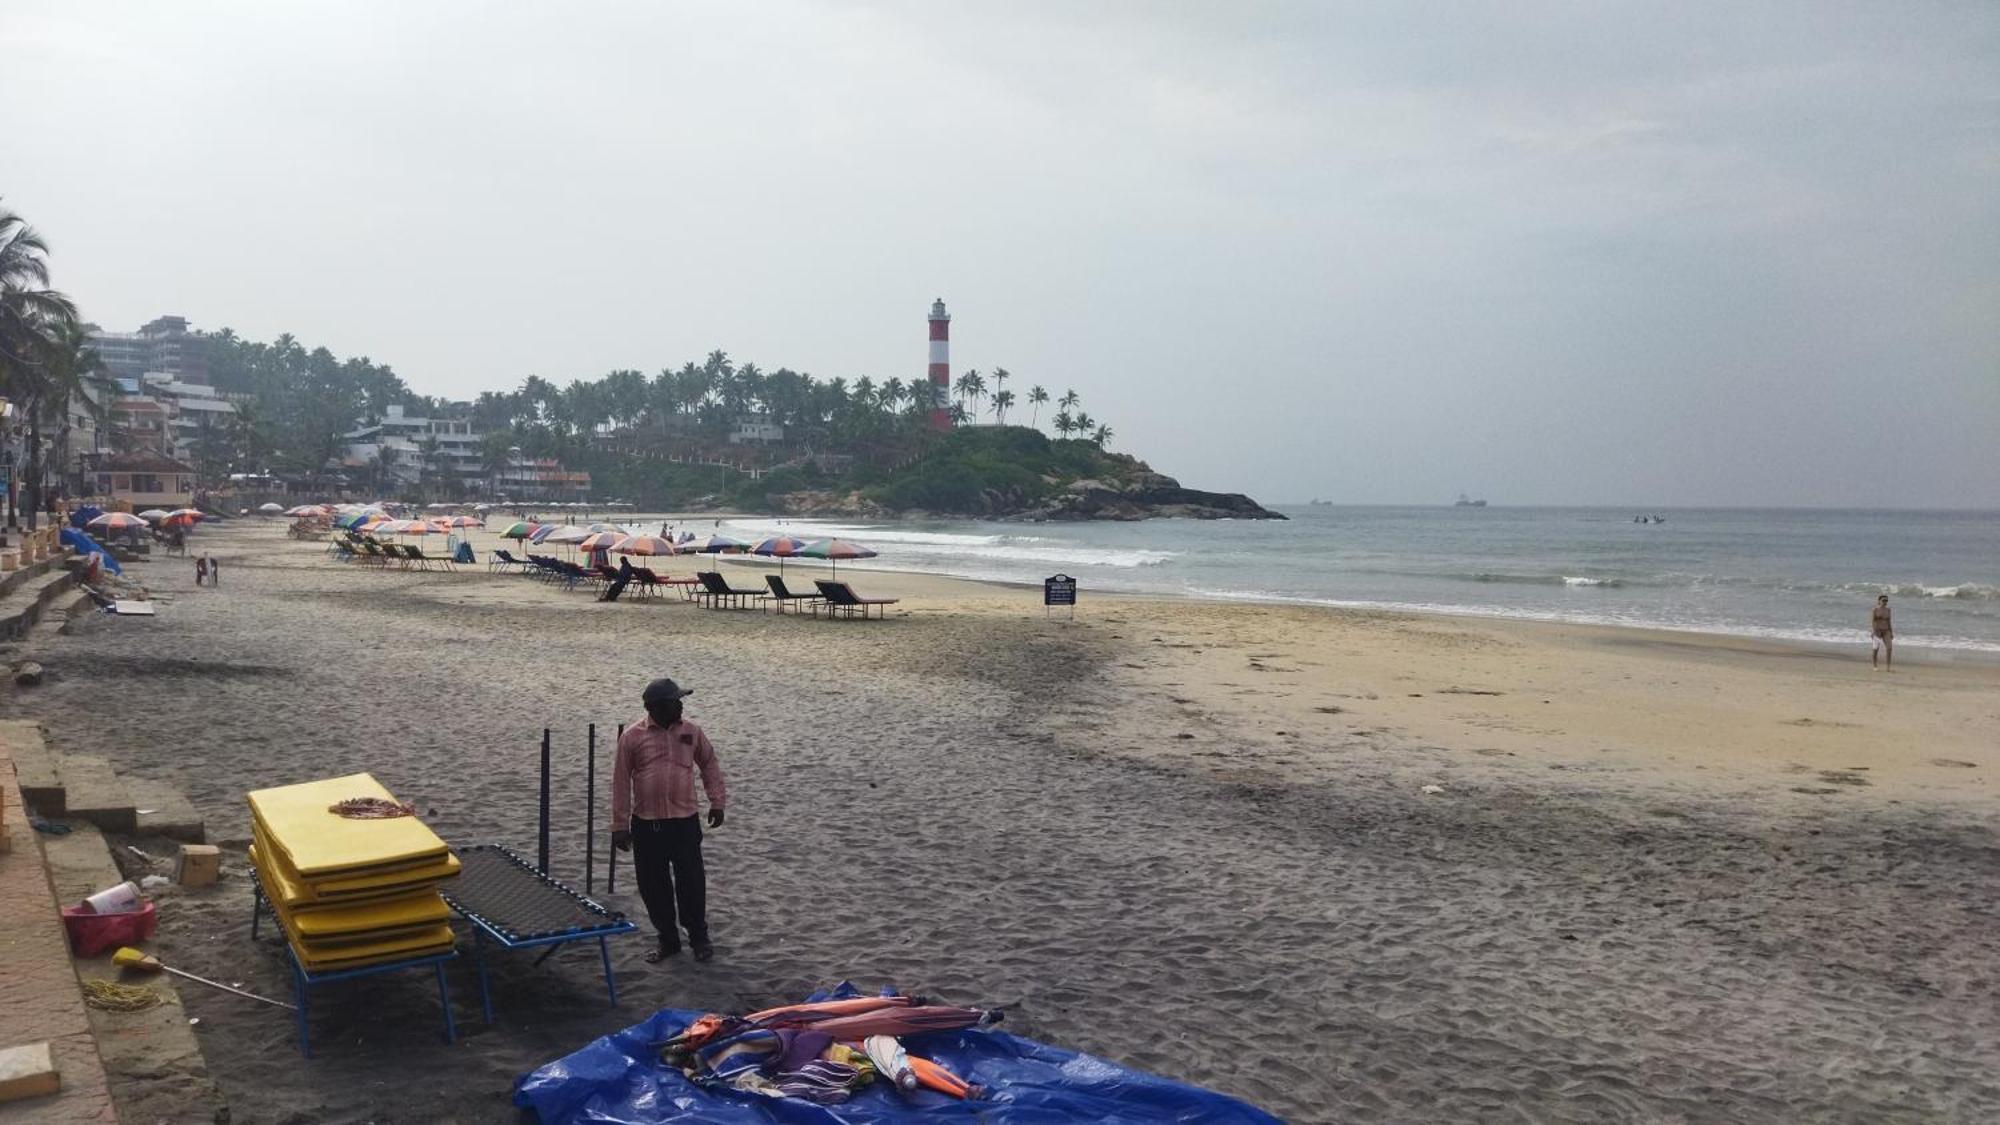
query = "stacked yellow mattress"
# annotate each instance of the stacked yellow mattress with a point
(349, 893)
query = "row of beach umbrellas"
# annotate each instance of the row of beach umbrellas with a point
(605, 537)
(125, 521)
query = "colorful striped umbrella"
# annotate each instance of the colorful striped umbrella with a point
(116, 521)
(520, 530)
(567, 533)
(780, 547)
(644, 545)
(835, 550)
(462, 521)
(720, 545)
(601, 540)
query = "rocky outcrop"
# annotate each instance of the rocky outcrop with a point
(1145, 496)
(1142, 496)
(830, 505)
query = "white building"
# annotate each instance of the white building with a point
(756, 429)
(192, 408)
(455, 454)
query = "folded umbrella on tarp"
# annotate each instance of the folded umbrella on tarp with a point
(84, 545)
(620, 1078)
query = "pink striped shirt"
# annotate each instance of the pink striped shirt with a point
(653, 775)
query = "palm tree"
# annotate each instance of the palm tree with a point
(1069, 400)
(891, 393)
(963, 387)
(30, 312)
(975, 390)
(1082, 424)
(1101, 436)
(1037, 395)
(1064, 423)
(1001, 401)
(70, 371)
(958, 415)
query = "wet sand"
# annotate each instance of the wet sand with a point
(1703, 881)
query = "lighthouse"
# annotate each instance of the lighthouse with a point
(940, 380)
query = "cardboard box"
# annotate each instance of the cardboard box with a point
(199, 865)
(28, 1071)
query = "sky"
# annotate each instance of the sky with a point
(1545, 253)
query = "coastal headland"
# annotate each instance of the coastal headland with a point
(1346, 865)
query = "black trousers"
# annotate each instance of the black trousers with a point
(666, 856)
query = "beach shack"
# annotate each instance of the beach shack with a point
(143, 480)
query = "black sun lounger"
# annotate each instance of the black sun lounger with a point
(841, 601)
(717, 593)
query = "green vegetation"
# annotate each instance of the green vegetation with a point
(659, 440)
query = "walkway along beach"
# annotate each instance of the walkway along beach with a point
(1658, 876)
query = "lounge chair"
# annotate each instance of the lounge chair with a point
(782, 597)
(842, 601)
(716, 593)
(658, 584)
(501, 560)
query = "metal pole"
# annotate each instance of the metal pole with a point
(611, 864)
(590, 812)
(542, 844)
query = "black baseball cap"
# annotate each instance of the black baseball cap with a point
(664, 690)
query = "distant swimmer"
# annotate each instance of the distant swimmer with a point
(1884, 634)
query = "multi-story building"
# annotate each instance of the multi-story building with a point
(445, 447)
(163, 344)
(192, 408)
(527, 479)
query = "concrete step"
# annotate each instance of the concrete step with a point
(35, 766)
(93, 791)
(151, 1057)
(22, 605)
(163, 811)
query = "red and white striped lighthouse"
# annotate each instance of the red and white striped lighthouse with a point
(940, 380)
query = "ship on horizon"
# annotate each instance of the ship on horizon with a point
(1465, 501)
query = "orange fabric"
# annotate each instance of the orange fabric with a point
(938, 1078)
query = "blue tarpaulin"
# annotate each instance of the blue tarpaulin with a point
(85, 545)
(620, 1080)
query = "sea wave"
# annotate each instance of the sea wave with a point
(1570, 580)
(1967, 591)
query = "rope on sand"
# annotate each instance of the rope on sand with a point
(114, 997)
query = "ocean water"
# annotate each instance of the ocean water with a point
(1805, 575)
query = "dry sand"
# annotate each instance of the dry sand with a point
(1665, 878)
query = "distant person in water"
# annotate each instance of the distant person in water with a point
(1884, 634)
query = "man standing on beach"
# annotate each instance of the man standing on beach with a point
(655, 816)
(1884, 633)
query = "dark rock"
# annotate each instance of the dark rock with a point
(28, 674)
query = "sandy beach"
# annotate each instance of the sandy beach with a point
(1348, 866)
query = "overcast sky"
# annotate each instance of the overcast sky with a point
(1546, 253)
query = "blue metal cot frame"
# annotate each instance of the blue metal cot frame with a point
(484, 930)
(303, 982)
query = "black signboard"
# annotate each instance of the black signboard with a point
(1060, 590)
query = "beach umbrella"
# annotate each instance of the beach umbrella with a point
(721, 545)
(462, 521)
(151, 514)
(780, 547)
(184, 517)
(834, 550)
(644, 545)
(607, 527)
(541, 534)
(116, 521)
(601, 540)
(520, 529)
(270, 509)
(567, 533)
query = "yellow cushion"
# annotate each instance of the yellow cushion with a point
(282, 883)
(437, 939)
(411, 910)
(317, 842)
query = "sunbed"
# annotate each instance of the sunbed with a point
(501, 560)
(842, 601)
(656, 583)
(716, 593)
(782, 597)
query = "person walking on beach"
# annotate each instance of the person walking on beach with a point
(655, 816)
(201, 570)
(1884, 633)
(214, 569)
